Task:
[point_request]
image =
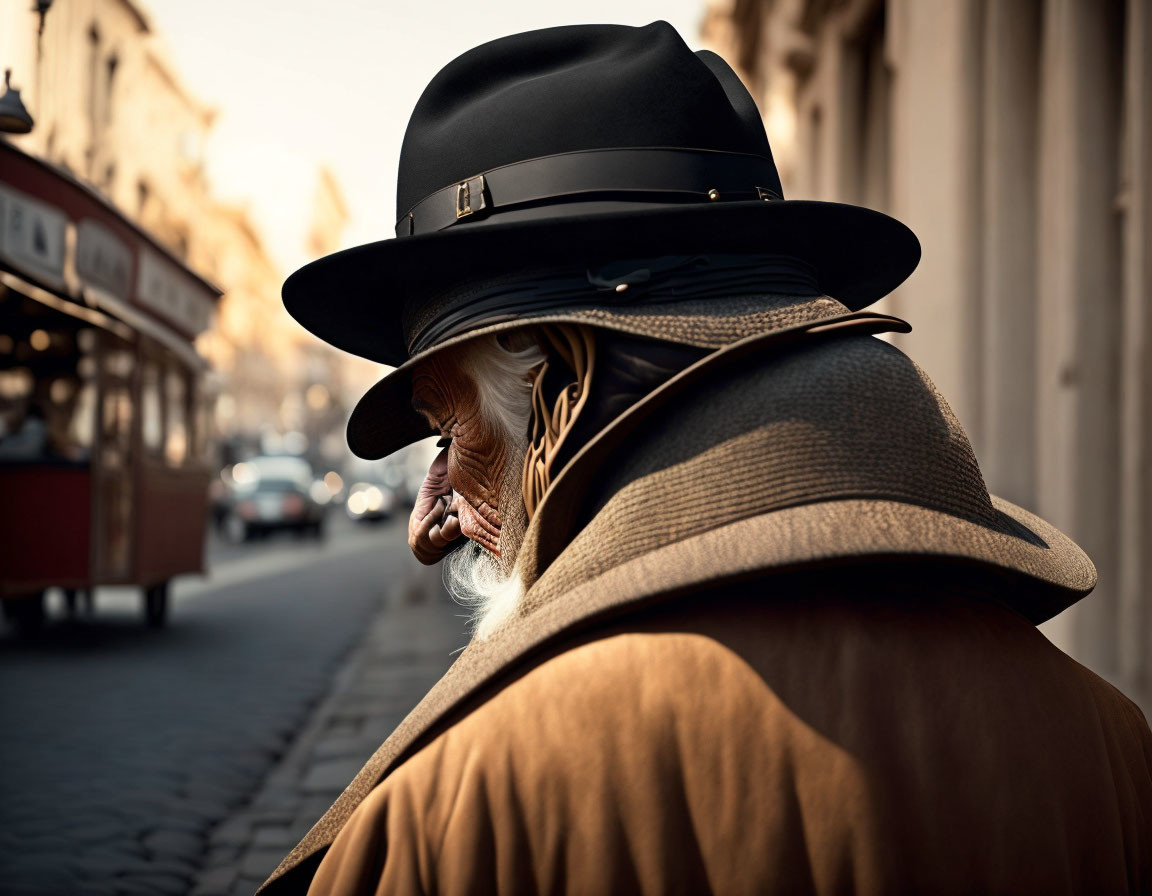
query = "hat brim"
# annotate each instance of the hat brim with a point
(384, 421)
(355, 299)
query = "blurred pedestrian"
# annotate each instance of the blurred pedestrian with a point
(746, 617)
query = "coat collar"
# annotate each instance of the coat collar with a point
(725, 549)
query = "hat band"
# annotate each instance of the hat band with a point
(631, 283)
(672, 174)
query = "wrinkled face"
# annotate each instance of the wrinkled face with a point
(463, 490)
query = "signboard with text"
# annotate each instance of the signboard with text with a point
(102, 259)
(165, 291)
(33, 236)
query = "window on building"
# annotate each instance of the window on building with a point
(151, 408)
(142, 193)
(111, 65)
(81, 431)
(177, 442)
(816, 134)
(95, 119)
(875, 116)
(203, 423)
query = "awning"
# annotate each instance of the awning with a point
(61, 236)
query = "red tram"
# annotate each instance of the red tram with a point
(103, 413)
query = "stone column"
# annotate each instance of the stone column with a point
(1135, 530)
(936, 190)
(1078, 303)
(1012, 59)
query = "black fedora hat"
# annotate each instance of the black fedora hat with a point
(566, 146)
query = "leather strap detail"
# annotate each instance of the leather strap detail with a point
(552, 422)
(671, 174)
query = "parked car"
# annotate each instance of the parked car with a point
(273, 492)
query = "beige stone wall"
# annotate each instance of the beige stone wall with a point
(109, 108)
(254, 343)
(1015, 138)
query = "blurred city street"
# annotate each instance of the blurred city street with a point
(139, 760)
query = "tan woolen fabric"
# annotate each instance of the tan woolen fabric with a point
(877, 742)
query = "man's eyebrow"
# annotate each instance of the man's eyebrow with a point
(429, 412)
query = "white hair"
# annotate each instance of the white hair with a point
(501, 377)
(489, 586)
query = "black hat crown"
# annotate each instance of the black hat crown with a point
(553, 150)
(547, 121)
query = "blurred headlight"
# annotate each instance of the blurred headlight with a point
(244, 474)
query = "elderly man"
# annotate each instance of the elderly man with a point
(746, 617)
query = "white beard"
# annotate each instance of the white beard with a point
(488, 585)
(476, 580)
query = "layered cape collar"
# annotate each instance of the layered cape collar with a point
(565, 592)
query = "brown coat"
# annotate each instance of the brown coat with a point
(880, 724)
(903, 743)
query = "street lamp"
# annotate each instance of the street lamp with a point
(14, 118)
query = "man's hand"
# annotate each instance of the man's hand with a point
(430, 534)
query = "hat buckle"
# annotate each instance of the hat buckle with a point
(464, 195)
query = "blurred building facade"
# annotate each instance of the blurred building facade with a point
(110, 109)
(1015, 139)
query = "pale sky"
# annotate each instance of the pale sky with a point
(303, 82)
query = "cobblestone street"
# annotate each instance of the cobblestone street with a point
(154, 762)
(405, 651)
